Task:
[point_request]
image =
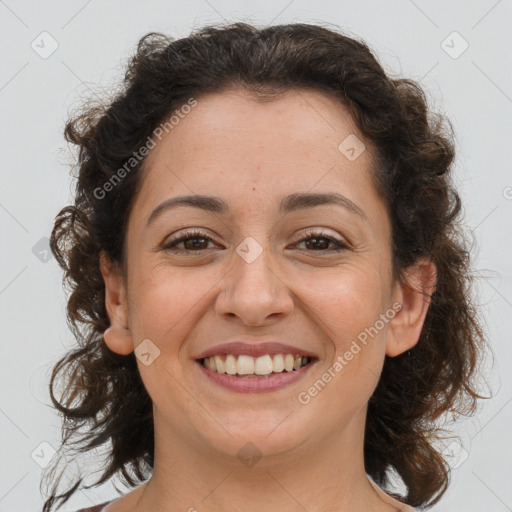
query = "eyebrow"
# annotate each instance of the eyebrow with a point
(290, 203)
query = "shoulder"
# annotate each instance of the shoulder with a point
(402, 507)
(391, 499)
(95, 508)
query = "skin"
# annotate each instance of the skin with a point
(251, 155)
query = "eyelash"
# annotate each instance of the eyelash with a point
(308, 234)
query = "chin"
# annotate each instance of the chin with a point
(257, 434)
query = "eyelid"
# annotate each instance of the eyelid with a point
(328, 233)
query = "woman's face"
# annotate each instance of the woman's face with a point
(254, 274)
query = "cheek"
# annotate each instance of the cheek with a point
(350, 305)
(165, 307)
(165, 302)
(347, 300)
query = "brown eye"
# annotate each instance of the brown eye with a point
(318, 241)
(193, 241)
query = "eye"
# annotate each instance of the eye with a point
(321, 240)
(194, 241)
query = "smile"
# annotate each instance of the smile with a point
(248, 374)
(248, 366)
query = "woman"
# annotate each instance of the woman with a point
(270, 285)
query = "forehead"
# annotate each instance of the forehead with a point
(292, 139)
(295, 116)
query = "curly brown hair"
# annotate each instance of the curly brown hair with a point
(412, 172)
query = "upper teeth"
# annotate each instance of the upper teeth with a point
(248, 365)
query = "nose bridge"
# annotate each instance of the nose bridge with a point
(253, 266)
(253, 289)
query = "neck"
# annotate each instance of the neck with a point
(320, 475)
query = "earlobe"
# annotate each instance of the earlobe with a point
(118, 339)
(117, 336)
(414, 295)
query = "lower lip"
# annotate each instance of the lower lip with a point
(256, 384)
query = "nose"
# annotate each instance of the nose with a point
(253, 291)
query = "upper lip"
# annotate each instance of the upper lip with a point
(254, 349)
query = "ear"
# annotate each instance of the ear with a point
(117, 336)
(414, 295)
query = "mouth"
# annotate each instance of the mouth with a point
(250, 366)
(262, 367)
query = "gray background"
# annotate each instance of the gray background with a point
(94, 38)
